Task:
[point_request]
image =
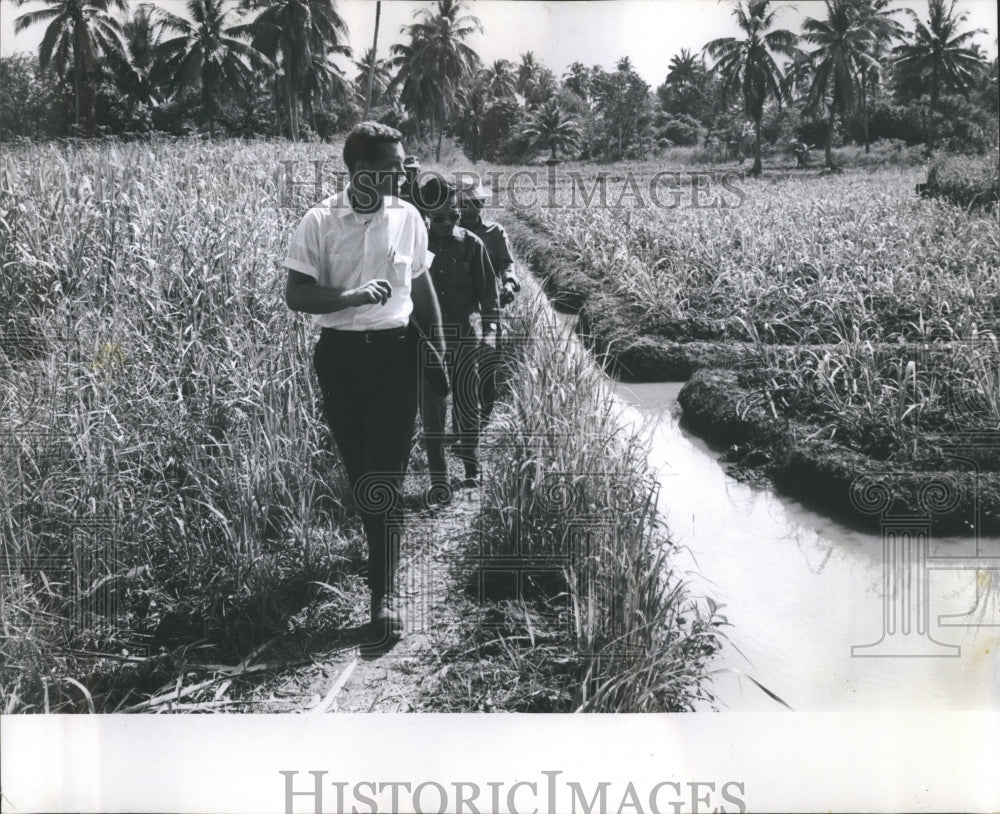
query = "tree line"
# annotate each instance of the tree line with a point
(859, 71)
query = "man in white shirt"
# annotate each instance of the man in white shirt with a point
(358, 261)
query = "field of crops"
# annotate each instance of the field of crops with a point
(168, 494)
(865, 308)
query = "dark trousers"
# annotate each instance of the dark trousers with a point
(489, 380)
(370, 402)
(462, 358)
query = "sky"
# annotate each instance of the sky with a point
(594, 32)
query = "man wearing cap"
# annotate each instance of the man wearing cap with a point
(407, 189)
(358, 261)
(466, 289)
(472, 197)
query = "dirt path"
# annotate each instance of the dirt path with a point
(330, 674)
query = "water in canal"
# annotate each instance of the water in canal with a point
(805, 595)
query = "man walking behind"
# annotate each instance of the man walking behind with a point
(467, 291)
(471, 199)
(358, 261)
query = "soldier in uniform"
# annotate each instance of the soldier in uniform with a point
(466, 289)
(472, 198)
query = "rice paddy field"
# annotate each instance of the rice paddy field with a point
(168, 495)
(844, 306)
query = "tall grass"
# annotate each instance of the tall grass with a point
(163, 475)
(892, 301)
(568, 482)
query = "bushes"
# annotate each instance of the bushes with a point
(680, 129)
(965, 180)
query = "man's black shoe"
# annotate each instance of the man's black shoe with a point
(438, 495)
(384, 630)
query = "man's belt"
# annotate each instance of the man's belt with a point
(365, 337)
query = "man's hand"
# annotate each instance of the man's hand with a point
(375, 291)
(507, 291)
(490, 340)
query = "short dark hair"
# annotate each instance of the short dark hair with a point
(364, 140)
(433, 193)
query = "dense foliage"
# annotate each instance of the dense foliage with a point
(855, 74)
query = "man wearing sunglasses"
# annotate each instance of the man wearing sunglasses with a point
(471, 200)
(466, 289)
(358, 262)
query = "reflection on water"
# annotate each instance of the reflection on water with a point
(806, 596)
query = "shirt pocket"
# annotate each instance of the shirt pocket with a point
(400, 270)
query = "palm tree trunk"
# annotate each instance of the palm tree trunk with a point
(934, 102)
(208, 102)
(864, 109)
(277, 109)
(829, 137)
(757, 168)
(293, 124)
(437, 151)
(371, 68)
(77, 85)
(79, 51)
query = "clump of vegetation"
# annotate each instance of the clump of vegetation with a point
(597, 619)
(165, 475)
(968, 181)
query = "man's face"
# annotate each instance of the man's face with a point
(380, 175)
(444, 217)
(471, 211)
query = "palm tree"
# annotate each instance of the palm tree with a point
(684, 69)
(79, 34)
(437, 63)
(843, 44)
(376, 70)
(527, 74)
(749, 65)
(498, 79)
(299, 35)
(473, 105)
(370, 83)
(206, 53)
(133, 70)
(550, 128)
(577, 79)
(877, 18)
(325, 82)
(938, 54)
(685, 81)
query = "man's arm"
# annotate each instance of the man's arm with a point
(303, 293)
(485, 285)
(426, 311)
(505, 261)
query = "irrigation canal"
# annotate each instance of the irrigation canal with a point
(806, 596)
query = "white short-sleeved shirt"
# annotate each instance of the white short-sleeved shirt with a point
(342, 249)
